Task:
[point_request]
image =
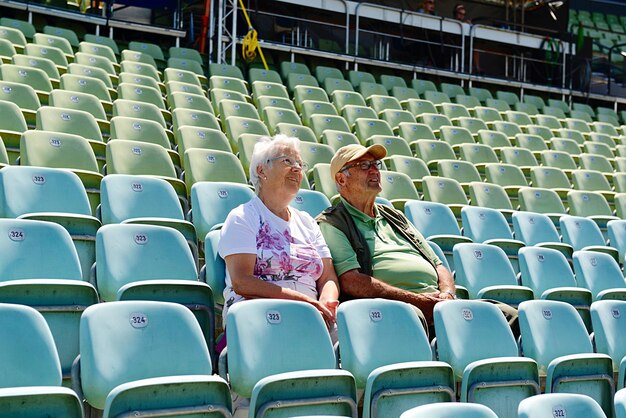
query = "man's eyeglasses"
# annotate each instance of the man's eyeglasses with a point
(290, 162)
(364, 165)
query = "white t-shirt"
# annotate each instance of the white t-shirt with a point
(289, 253)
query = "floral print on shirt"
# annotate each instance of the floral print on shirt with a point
(280, 257)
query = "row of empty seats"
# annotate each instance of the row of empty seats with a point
(383, 350)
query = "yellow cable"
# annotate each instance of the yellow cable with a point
(250, 42)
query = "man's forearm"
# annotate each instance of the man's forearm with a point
(445, 280)
(359, 285)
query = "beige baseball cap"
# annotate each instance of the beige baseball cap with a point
(353, 152)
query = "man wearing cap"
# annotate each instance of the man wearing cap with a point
(376, 251)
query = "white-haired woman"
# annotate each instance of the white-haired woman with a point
(272, 250)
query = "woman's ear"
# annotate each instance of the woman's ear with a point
(260, 170)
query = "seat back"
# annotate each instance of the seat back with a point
(125, 197)
(261, 326)
(128, 253)
(379, 332)
(37, 189)
(29, 356)
(478, 266)
(431, 218)
(489, 195)
(139, 158)
(534, 228)
(77, 122)
(542, 322)
(580, 232)
(544, 268)
(550, 405)
(112, 334)
(535, 199)
(597, 272)
(471, 330)
(211, 202)
(583, 203)
(57, 150)
(212, 165)
(445, 409)
(443, 190)
(481, 224)
(310, 201)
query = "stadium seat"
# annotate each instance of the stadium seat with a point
(548, 273)
(338, 139)
(413, 167)
(397, 188)
(616, 232)
(211, 202)
(142, 158)
(441, 410)
(600, 273)
(173, 373)
(583, 233)
(552, 178)
(608, 326)
(163, 269)
(81, 101)
(144, 200)
(384, 345)
(55, 195)
(437, 223)
(446, 191)
(550, 404)
(537, 229)
(212, 165)
(308, 382)
(571, 367)
(492, 196)
(489, 226)
(59, 150)
(24, 96)
(474, 338)
(31, 383)
(485, 271)
(310, 201)
(540, 200)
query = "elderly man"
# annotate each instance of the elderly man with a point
(376, 251)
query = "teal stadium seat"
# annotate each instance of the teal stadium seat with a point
(31, 381)
(474, 338)
(172, 374)
(560, 404)
(383, 344)
(44, 273)
(571, 367)
(301, 384)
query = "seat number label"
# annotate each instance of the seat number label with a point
(273, 317)
(559, 412)
(16, 234)
(376, 315)
(141, 239)
(138, 320)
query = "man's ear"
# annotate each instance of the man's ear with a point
(340, 179)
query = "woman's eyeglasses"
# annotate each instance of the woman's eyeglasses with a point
(290, 162)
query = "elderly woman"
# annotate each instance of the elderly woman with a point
(272, 250)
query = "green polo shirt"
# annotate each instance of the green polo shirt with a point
(394, 260)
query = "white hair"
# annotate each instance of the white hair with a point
(267, 148)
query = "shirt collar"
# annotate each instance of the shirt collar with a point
(354, 212)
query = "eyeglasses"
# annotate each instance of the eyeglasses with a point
(364, 165)
(290, 162)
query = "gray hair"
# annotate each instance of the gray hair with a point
(265, 149)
